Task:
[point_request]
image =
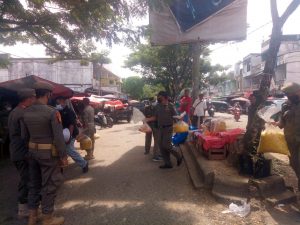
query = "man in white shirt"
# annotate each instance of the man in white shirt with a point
(199, 108)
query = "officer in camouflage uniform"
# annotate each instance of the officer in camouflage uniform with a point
(18, 149)
(164, 112)
(290, 121)
(43, 131)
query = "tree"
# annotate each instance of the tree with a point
(269, 69)
(150, 91)
(68, 28)
(133, 86)
(170, 66)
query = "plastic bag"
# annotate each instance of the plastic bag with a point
(180, 127)
(241, 211)
(272, 140)
(145, 128)
(137, 115)
(268, 111)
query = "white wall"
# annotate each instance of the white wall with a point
(68, 72)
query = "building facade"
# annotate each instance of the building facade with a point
(71, 73)
(67, 72)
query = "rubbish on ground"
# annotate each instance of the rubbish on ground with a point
(241, 211)
(180, 127)
(267, 112)
(137, 115)
(272, 140)
(145, 128)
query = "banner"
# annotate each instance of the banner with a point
(186, 21)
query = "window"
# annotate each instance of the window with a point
(248, 67)
(111, 82)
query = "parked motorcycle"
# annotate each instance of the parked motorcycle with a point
(237, 114)
(211, 111)
(103, 120)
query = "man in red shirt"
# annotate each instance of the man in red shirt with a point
(185, 105)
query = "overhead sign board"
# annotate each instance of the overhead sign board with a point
(185, 21)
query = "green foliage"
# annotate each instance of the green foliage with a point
(68, 28)
(170, 66)
(4, 61)
(150, 91)
(133, 86)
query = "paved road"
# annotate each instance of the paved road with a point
(124, 187)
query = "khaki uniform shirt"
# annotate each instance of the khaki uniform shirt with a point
(89, 120)
(164, 114)
(43, 125)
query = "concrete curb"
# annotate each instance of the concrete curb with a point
(229, 187)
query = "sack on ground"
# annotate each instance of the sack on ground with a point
(145, 128)
(272, 140)
(180, 127)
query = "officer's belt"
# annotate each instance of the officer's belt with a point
(40, 146)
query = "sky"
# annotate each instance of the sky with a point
(259, 29)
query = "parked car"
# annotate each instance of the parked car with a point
(221, 106)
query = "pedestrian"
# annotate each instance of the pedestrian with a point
(89, 126)
(164, 115)
(290, 122)
(69, 121)
(198, 111)
(149, 112)
(42, 130)
(185, 105)
(18, 149)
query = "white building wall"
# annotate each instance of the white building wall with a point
(68, 72)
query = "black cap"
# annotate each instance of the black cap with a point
(163, 94)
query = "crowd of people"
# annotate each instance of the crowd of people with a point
(41, 138)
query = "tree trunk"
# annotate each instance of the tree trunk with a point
(253, 133)
(196, 51)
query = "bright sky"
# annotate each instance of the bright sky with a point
(259, 21)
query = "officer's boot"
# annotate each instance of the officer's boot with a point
(33, 214)
(49, 219)
(23, 210)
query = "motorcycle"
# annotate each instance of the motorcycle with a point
(237, 114)
(211, 111)
(103, 120)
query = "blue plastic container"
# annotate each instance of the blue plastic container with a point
(179, 138)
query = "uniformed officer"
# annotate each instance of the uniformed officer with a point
(18, 149)
(149, 112)
(43, 131)
(290, 121)
(164, 113)
(89, 126)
